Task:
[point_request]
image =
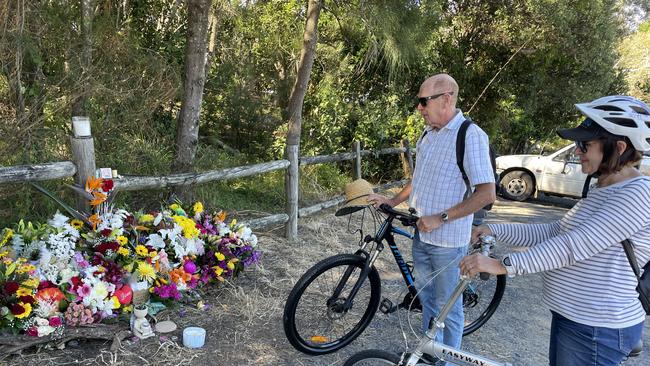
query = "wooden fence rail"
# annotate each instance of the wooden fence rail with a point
(83, 154)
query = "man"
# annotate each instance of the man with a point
(437, 192)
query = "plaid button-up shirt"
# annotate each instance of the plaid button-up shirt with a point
(438, 184)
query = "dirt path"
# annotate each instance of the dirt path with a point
(244, 319)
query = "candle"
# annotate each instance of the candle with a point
(81, 126)
(193, 337)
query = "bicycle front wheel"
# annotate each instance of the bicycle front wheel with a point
(373, 357)
(480, 300)
(315, 319)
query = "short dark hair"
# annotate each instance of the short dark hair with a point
(612, 161)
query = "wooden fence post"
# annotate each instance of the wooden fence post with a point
(356, 167)
(83, 156)
(291, 180)
(407, 160)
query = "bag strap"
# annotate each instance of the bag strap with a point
(460, 148)
(631, 257)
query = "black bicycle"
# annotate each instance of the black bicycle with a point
(335, 300)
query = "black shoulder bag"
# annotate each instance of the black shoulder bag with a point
(643, 286)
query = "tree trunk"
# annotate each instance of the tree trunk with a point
(307, 54)
(196, 53)
(79, 105)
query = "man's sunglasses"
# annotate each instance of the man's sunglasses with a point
(423, 100)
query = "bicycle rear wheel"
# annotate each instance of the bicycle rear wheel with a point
(480, 300)
(373, 357)
(314, 320)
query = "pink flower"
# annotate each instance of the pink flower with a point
(189, 267)
(84, 290)
(55, 321)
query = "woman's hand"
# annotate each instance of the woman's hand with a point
(480, 231)
(476, 263)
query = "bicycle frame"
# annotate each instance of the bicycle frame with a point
(430, 346)
(385, 232)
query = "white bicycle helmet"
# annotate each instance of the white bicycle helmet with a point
(621, 115)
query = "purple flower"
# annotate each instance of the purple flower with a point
(189, 267)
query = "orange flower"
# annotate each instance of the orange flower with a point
(94, 220)
(98, 199)
(93, 184)
(221, 216)
(179, 274)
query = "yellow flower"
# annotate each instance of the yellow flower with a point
(230, 265)
(124, 252)
(7, 236)
(3, 254)
(23, 291)
(122, 240)
(141, 250)
(115, 302)
(218, 270)
(32, 282)
(146, 272)
(28, 310)
(146, 218)
(25, 268)
(219, 256)
(153, 254)
(198, 208)
(77, 224)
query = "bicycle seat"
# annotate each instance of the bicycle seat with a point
(636, 350)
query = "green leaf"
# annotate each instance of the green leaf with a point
(76, 214)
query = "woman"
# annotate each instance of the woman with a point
(588, 282)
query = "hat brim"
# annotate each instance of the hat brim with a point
(346, 210)
(582, 133)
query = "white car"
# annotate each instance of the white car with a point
(558, 174)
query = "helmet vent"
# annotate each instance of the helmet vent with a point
(626, 122)
(639, 110)
(608, 108)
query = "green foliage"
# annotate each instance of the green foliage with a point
(521, 65)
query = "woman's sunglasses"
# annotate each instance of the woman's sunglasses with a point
(583, 145)
(423, 100)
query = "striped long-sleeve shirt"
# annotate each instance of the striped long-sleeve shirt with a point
(587, 277)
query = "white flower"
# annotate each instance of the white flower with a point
(157, 220)
(156, 241)
(58, 220)
(44, 330)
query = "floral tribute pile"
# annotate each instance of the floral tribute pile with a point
(77, 271)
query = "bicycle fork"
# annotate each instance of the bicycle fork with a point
(344, 280)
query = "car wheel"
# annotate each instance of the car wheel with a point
(517, 185)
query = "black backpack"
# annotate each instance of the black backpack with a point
(460, 154)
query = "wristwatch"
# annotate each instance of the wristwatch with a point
(444, 217)
(510, 270)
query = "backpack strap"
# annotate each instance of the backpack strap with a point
(631, 257)
(460, 150)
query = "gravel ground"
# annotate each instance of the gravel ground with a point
(244, 320)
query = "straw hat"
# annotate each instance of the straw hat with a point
(356, 195)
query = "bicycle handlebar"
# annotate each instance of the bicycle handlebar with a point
(406, 218)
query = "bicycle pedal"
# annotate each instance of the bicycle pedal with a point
(386, 306)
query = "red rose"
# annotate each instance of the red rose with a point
(106, 232)
(104, 247)
(107, 185)
(27, 299)
(11, 287)
(17, 309)
(76, 281)
(32, 331)
(55, 321)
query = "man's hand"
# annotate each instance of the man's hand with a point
(376, 200)
(428, 223)
(478, 231)
(476, 263)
